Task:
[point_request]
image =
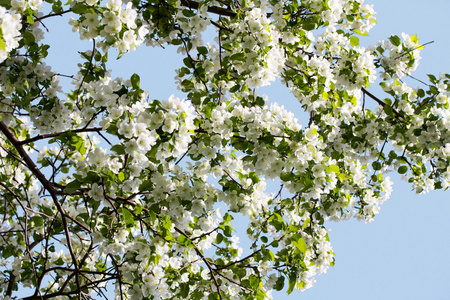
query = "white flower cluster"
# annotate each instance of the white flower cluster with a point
(21, 5)
(258, 41)
(116, 25)
(10, 26)
(399, 59)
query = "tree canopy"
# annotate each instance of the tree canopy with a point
(104, 188)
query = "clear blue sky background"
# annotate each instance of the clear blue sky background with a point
(404, 253)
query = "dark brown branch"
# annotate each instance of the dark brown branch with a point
(212, 9)
(52, 15)
(221, 27)
(87, 71)
(26, 159)
(9, 289)
(70, 293)
(248, 256)
(81, 271)
(51, 135)
(47, 185)
(383, 104)
(207, 262)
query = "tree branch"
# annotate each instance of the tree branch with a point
(381, 102)
(51, 135)
(47, 185)
(213, 9)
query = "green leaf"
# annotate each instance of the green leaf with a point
(146, 185)
(152, 215)
(184, 290)
(309, 25)
(380, 177)
(219, 238)
(292, 282)
(202, 50)
(59, 261)
(188, 63)
(354, 41)
(127, 216)
(72, 186)
(402, 169)
(167, 224)
(376, 165)
(261, 295)
(28, 38)
(135, 81)
(334, 168)
(227, 230)
(235, 88)
(37, 220)
(227, 218)
(5, 3)
(388, 110)
(119, 149)
(92, 177)
(300, 244)
(361, 33)
(213, 296)
(254, 177)
(57, 7)
(238, 57)
(30, 19)
(421, 93)
(2, 44)
(79, 8)
(138, 209)
(188, 13)
(287, 176)
(25, 84)
(395, 40)
(279, 285)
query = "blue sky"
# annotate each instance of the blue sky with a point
(404, 252)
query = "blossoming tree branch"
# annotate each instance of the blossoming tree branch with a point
(104, 190)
